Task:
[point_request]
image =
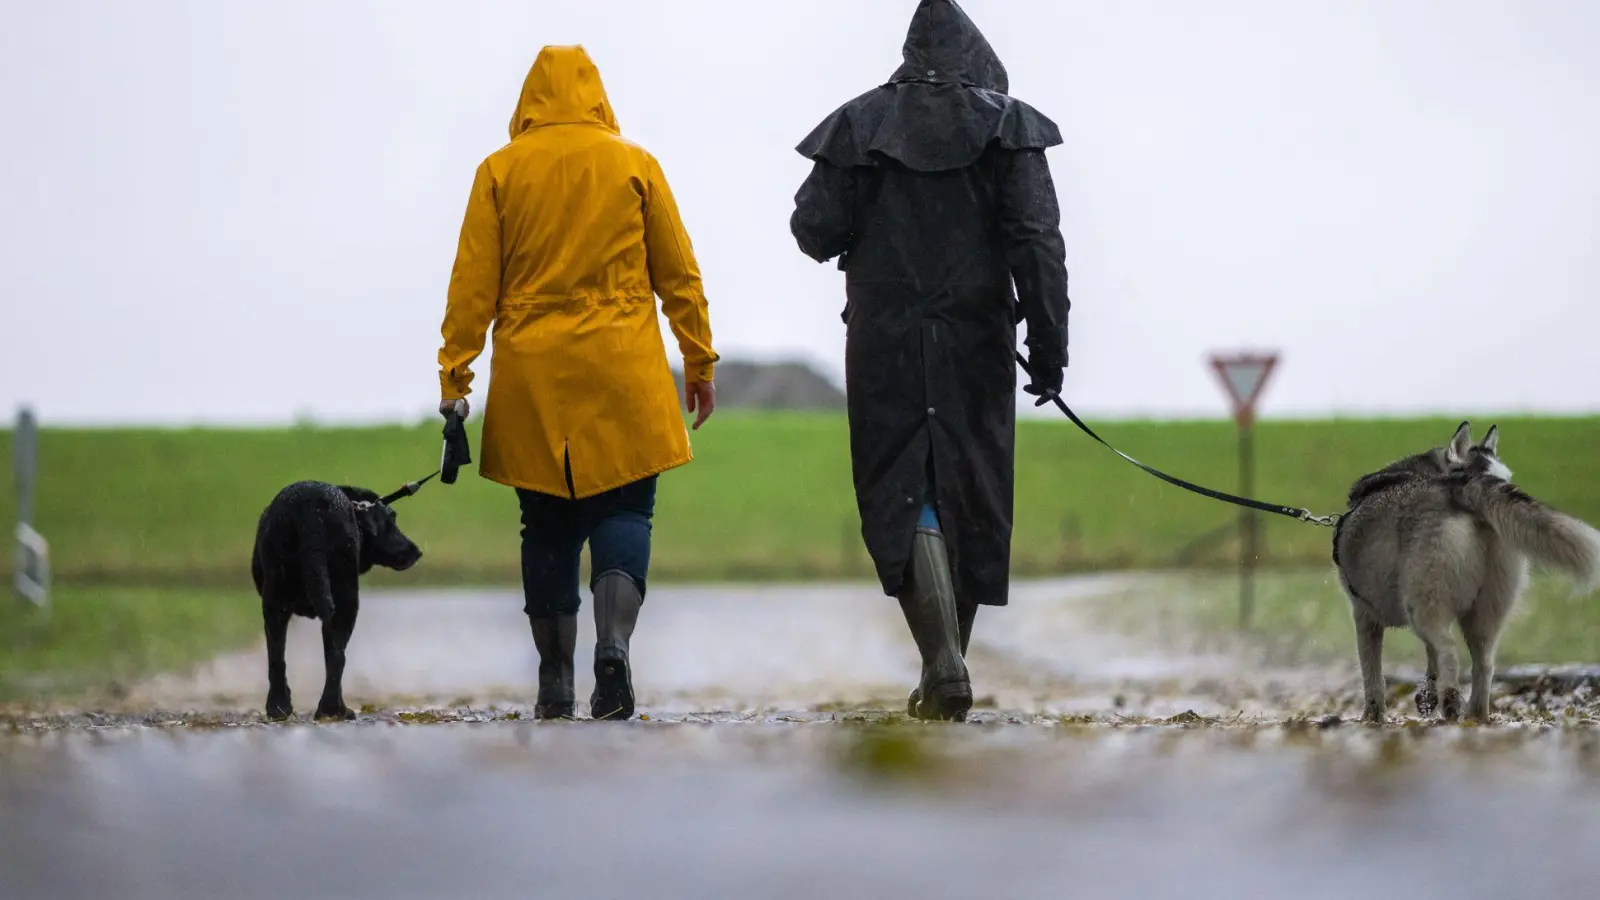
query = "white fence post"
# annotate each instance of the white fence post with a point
(33, 551)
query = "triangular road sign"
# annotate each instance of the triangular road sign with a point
(1243, 376)
(1244, 379)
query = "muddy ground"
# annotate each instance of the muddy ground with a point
(773, 761)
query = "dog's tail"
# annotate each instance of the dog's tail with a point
(1546, 535)
(314, 569)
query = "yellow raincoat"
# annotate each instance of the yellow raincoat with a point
(569, 235)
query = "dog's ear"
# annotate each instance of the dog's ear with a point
(1491, 441)
(361, 498)
(1456, 453)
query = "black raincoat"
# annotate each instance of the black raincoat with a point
(934, 192)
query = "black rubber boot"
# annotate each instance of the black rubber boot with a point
(555, 638)
(929, 603)
(616, 611)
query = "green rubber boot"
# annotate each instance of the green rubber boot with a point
(966, 614)
(928, 601)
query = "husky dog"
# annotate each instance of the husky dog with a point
(1441, 537)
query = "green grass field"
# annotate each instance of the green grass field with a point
(97, 639)
(767, 497)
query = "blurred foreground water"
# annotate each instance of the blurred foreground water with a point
(774, 765)
(799, 810)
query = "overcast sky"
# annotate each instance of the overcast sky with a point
(243, 211)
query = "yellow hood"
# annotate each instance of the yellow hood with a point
(562, 88)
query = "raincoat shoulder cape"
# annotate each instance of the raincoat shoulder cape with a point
(934, 192)
(940, 110)
(570, 234)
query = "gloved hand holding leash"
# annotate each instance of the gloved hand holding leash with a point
(457, 452)
(1046, 384)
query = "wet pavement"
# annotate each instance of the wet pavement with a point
(775, 763)
(732, 651)
(696, 650)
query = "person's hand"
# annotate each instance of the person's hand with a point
(1046, 383)
(446, 407)
(701, 398)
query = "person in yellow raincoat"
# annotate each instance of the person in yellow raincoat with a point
(570, 234)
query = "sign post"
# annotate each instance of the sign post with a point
(1243, 376)
(33, 552)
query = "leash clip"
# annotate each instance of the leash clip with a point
(1327, 521)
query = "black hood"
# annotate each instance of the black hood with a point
(943, 46)
(945, 106)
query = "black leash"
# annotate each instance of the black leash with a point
(1293, 512)
(456, 452)
(407, 489)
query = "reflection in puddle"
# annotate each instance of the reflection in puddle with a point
(1089, 770)
(798, 810)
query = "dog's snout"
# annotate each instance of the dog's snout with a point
(411, 556)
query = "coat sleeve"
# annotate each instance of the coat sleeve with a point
(675, 277)
(822, 210)
(1030, 221)
(474, 288)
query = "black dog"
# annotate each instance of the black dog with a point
(313, 543)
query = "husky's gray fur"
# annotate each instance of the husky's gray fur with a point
(1442, 537)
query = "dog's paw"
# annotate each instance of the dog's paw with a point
(1450, 705)
(1427, 700)
(1373, 714)
(340, 713)
(279, 708)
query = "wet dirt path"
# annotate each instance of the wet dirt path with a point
(721, 652)
(775, 763)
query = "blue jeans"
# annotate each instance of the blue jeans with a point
(616, 526)
(930, 513)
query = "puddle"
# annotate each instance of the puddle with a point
(799, 810)
(776, 762)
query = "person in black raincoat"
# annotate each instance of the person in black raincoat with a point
(934, 193)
